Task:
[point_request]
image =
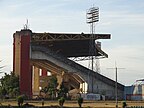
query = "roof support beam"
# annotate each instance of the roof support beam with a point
(42, 37)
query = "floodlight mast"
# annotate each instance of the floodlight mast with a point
(92, 17)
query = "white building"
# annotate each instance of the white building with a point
(136, 91)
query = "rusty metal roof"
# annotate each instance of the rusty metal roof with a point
(69, 45)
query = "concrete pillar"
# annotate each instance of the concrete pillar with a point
(16, 53)
(84, 87)
(35, 80)
(21, 62)
(142, 92)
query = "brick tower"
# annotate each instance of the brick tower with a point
(21, 60)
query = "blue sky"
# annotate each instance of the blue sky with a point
(123, 19)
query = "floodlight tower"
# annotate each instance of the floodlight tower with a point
(92, 18)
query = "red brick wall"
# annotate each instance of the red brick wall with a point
(25, 68)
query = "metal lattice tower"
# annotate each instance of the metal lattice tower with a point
(92, 18)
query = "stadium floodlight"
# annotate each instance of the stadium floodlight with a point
(93, 15)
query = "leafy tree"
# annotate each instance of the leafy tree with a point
(51, 89)
(9, 85)
(62, 91)
(3, 92)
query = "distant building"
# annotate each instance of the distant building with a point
(135, 92)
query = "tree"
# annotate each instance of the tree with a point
(51, 89)
(62, 91)
(3, 92)
(9, 83)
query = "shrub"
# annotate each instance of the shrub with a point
(80, 101)
(124, 104)
(20, 100)
(61, 101)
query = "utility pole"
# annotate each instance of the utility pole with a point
(116, 89)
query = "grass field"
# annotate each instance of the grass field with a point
(73, 104)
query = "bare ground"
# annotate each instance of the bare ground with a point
(73, 104)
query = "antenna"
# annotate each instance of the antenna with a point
(116, 90)
(26, 25)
